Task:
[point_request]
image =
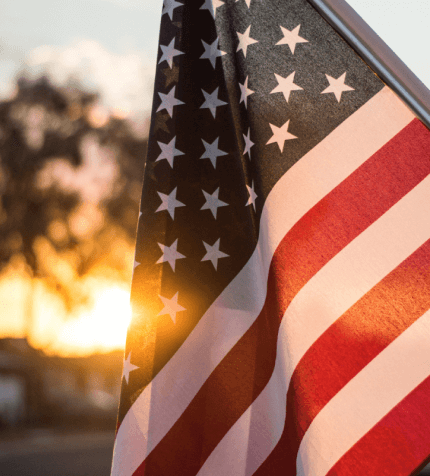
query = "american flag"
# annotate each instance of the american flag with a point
(281, 289)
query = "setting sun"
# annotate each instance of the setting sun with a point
(101, 328)
(99, 324)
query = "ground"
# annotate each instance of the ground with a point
(48, 453)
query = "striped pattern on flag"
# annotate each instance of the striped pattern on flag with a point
(386, 382)
(358, 269)
(316, 349)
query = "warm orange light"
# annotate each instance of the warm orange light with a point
(102, 328)
(98, 327)
(98, 116)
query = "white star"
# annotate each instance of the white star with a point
(171, 307)
(170, 255)
(212, 152)
(168, 101)
(291, 38)
(168, 151)
(245, 92)
(128, 367)
(286, 85)
(213, 253)
(212, 5)
(169, 6)
(245, 40)
(337, 86)
(169, 203)
(280, 135)
(212, 52)
(212, 101)
(169, 52)
(212, 202)
(248, 143)
(136, 264)
(252, 196)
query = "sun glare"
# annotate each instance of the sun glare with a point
(97, 327)
(102, 328)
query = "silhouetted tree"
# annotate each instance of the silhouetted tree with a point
(41, 127)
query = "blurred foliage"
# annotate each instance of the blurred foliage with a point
(70, 183)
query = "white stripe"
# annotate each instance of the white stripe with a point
(367, 398)
(231, 315)
(327, 296)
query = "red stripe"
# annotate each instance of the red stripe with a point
(397, 445)
(362, 332)
(324, 231)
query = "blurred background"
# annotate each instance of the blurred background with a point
(76, 85)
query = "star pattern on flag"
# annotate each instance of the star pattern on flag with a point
(213, 253)
(252, 196)
(245, 40)
(169, 6)
(212, 152)
(245, 92)
(280, 135)
(169, 152)
(169, 52)
(337, 86)
(169, 203)
(212, 6)
(291, 38)
(128, 367)
(248, 143)
(213, 202)
(212, 52)
(170, 254)
(212, 102)
(286, 85)
(171, 307)
(168, 101)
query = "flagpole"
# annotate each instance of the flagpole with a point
(389, 67)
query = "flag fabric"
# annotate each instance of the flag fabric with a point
(281, 289)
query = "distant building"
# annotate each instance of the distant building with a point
(36, 389)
